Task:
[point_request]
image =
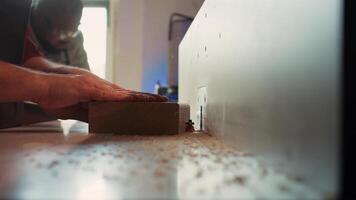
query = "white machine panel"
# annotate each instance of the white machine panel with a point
(270, 72)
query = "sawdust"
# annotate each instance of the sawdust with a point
(159, 173)
(53, 164)
(199, 174)
(238, 179)
(296, 178)
(189, 158)
(283, 188)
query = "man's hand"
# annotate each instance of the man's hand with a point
(66, 90)
(60, 94)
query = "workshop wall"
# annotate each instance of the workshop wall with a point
(126, 43)
(155, 49)
(138, 45)
(267, 75)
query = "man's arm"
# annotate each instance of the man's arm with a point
(18, 84)
(52, 91)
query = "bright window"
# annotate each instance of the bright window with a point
(94, 28)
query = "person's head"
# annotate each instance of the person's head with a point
(56, 21)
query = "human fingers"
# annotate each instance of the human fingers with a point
(103, 81)
(125, 96)
(110, 95)
(148, 96)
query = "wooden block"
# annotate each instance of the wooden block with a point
(141, 118)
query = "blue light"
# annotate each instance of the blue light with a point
(153, 72)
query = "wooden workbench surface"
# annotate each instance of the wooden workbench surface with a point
(40, 162)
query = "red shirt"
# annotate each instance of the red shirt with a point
(30, 48)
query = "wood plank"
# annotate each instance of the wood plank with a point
(139, 118)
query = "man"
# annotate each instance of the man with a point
(55, 31)
(60, 90)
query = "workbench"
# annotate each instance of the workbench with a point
(61, 160)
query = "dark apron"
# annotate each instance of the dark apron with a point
(13, 22)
